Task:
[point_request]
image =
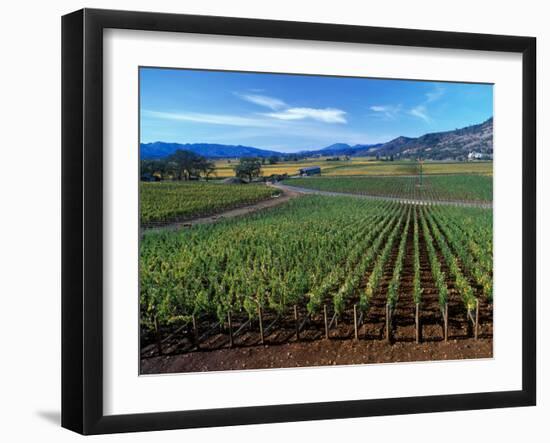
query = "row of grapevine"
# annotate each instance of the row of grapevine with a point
(476, 226)
(378, 270)
(309, 252)
(437, 274)
(351, 272)
(356, 275)
(461, 283)
(475, 269)
(456, 187)
(417, 288)
(476, 240)
(269, 260)
(393, 288)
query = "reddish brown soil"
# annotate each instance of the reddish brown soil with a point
(317, 353)
(282, 350)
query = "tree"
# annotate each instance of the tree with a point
(248, 167)
(185, 163)
(273, 160)
(188, 164)
(208, 168)
(154, 168)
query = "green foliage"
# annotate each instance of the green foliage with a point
(461, 283)
(377, 273)
(437, 274)
(417, 289)
(471, 243)
(309, 251)
(181, 165)
(248, 168)
(393, 287)
(165, 202)
(362, 259)
(474, 188)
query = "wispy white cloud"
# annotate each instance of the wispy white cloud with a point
(326, 115)
(215, 119)
(263, 100)
(387, 111)
(421, 112)
(436, 94)
(284, 111)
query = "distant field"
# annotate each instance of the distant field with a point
(409, 168)
(166, 202)
(363, 166)
(225, 169)
(472, 188)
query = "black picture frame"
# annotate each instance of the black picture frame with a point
(82, 218)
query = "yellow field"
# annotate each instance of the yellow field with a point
(225, 169)
(362, 166)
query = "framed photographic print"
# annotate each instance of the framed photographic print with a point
(269, 221)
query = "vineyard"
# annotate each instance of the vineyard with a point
(166, 202)
(320, 267)
(465, 188)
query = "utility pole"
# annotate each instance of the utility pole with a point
(420, 163)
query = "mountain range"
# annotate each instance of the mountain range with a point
(455, 144)
(209, 150)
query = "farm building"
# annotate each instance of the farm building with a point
(479, 156)
(310, 170)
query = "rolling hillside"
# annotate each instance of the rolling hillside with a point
(455, 144)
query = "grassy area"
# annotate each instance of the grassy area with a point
(464, 187)
(363, 166)
(165, 202)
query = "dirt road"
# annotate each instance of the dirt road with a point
(300, 190)
(285, 196)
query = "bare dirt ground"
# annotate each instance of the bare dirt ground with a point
(317, 353)
(282, 349)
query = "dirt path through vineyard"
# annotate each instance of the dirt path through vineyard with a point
(286, 195)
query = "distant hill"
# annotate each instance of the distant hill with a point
(455, 144)
(340, 149)
(162, 150)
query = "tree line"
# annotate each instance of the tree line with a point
(181, 165)
(186, 165)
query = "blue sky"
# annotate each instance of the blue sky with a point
(289, 113)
